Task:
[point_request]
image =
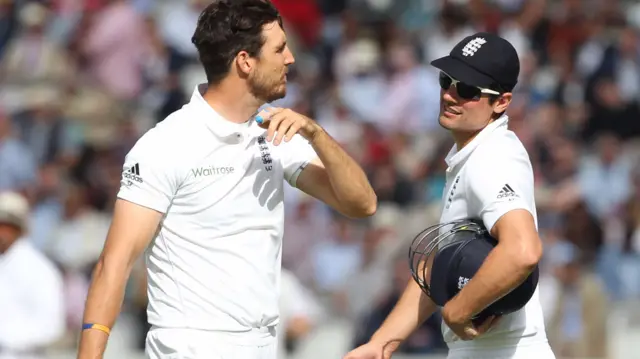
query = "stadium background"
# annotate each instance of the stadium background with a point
(83, 79)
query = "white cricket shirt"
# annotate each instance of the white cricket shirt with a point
(489, 177)
(215, 262)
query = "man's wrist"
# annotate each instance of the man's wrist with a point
(390, 344)
(317, 133)
(455, 311)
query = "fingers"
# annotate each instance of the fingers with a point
(265, 117)
(295, 127)
(470, 332)
(488, 324)
(273, 120)
(279, 125)
(283, 128)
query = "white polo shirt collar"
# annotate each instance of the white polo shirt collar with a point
(455, 157)
(217, 124)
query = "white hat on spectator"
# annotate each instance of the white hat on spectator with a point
(33, 14)
(14, 209)
(386, 217)
(633, 15)
(363, 55)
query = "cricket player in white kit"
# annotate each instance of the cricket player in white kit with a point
(489, 178)
(202, 196)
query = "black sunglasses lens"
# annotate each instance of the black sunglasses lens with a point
(445, 81)
(467, 92)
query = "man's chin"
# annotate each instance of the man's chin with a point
(276, 96)
(445, 122)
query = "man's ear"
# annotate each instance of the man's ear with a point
(244, 63)
(502, 103)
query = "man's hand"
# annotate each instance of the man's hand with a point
(285, 123)
(373, 350)
(462, 325)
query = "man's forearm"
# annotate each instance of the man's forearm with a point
(502, 271)
(348, 181)
(104, 302)
(413, 308)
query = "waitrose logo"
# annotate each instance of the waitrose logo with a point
(212, 171)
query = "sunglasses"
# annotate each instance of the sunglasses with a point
(465, 91)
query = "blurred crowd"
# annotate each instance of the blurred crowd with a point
(81, 80)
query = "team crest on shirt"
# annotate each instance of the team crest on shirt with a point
(265, 154)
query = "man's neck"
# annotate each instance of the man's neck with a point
(232, 101)
(464, 138)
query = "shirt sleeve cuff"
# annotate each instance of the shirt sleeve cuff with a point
(293, 179)
(142, 200)
(494, 212)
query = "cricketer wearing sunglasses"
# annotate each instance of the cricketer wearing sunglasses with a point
(490, 179)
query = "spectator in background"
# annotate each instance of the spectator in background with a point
(77, 241)
(31, 57)
(114, 47)
(628, 264)
(338, 258)
(302, 218)
(17, 165)
(43, 128)
(611, 113)
(300, 313)
(605, 177)
(577, 320)
(31, 287)
(7, 23)
(177, 23)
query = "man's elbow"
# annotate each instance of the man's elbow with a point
(372, 206)
(530, 255)
(366, 208)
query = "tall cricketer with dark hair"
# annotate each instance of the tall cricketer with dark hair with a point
(202, 196)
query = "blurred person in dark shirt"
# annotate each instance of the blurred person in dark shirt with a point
(583, 230)
(8, 23)
(610, 113)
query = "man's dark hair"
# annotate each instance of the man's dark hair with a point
(226, 27)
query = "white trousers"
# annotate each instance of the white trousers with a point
(537, 351)
(198, 344)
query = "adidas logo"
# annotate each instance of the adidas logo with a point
(506, 192)
(133, 173)
(472, 46)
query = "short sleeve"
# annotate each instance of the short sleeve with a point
(148, 179)
(295, 155)
(500, 185)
